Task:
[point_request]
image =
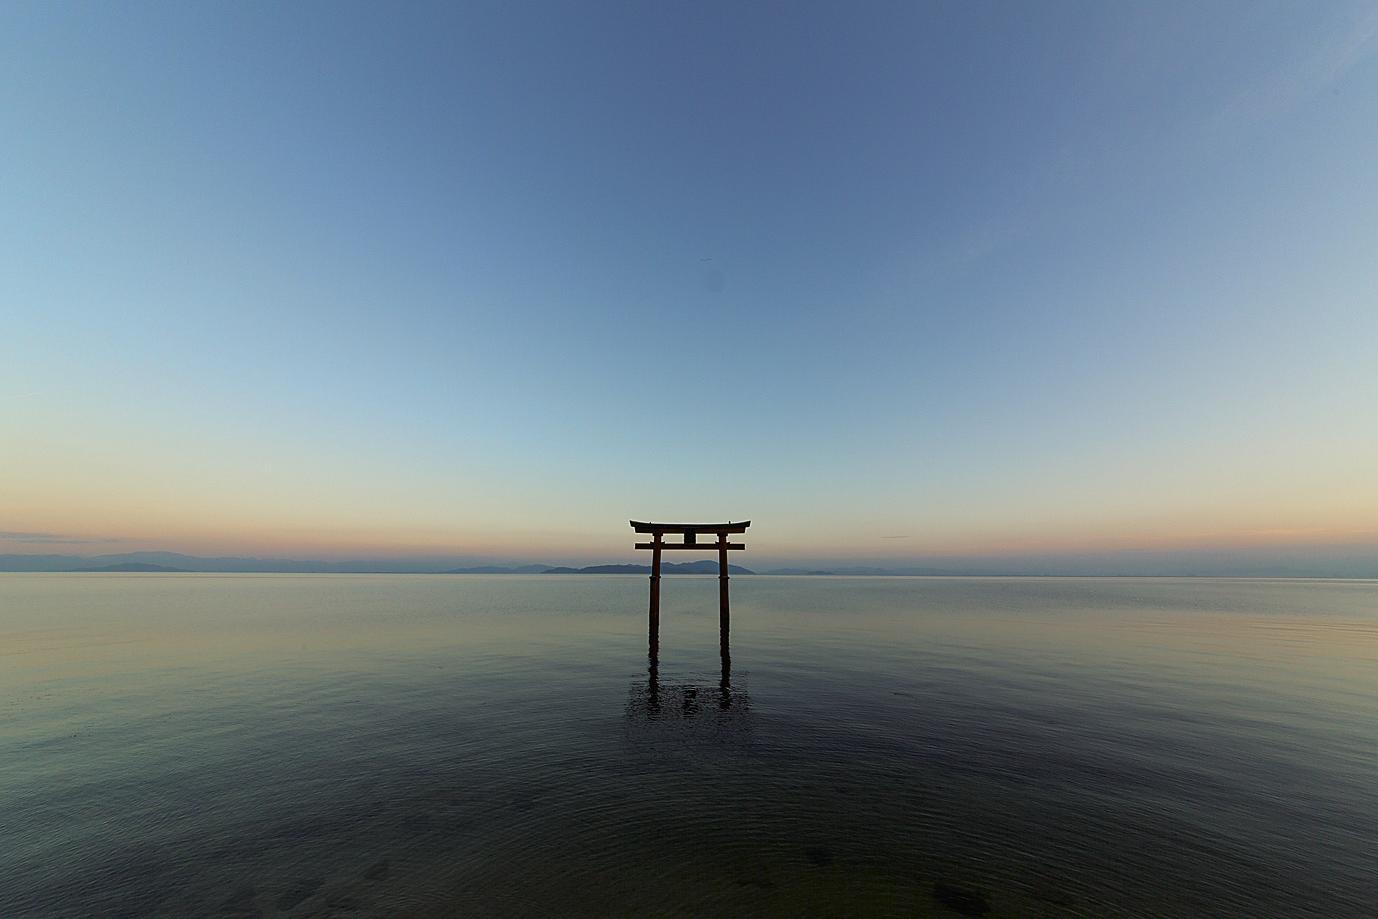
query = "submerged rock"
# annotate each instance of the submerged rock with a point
(417, 823)
(241, 902)
(820, 856)
(961, 900)
(298, 891)
(377, 871)
(1054, 896)
(343, 901)
(754, 876)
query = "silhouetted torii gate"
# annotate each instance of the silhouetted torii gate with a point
(690, 532)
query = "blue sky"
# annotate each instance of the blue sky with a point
(894, 280)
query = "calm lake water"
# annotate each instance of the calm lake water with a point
(499, 746)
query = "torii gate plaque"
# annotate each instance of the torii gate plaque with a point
(691, 532)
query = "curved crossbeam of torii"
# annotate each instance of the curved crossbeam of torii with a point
(690, 533)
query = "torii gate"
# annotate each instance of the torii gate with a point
(690, 531)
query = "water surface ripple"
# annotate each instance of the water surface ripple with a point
(257, 745)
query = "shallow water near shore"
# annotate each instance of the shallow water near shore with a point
(361, 745)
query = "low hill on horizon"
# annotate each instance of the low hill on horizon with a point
(135, 566)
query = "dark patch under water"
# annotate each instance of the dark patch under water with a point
(492, 746)
(961, 900)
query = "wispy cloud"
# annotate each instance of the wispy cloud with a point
(1323, 63)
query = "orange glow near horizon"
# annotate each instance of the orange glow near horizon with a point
(108, 488)
(61, 534)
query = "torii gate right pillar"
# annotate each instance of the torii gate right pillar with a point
(722, 584)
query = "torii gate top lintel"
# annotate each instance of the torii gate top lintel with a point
(729, 527)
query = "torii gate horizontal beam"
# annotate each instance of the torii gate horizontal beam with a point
(702, 547)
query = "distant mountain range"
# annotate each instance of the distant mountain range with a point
(870, 571)
(1358, 562)
(176, 562)
(132, 566)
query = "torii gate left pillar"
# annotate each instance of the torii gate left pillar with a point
(690, 532)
